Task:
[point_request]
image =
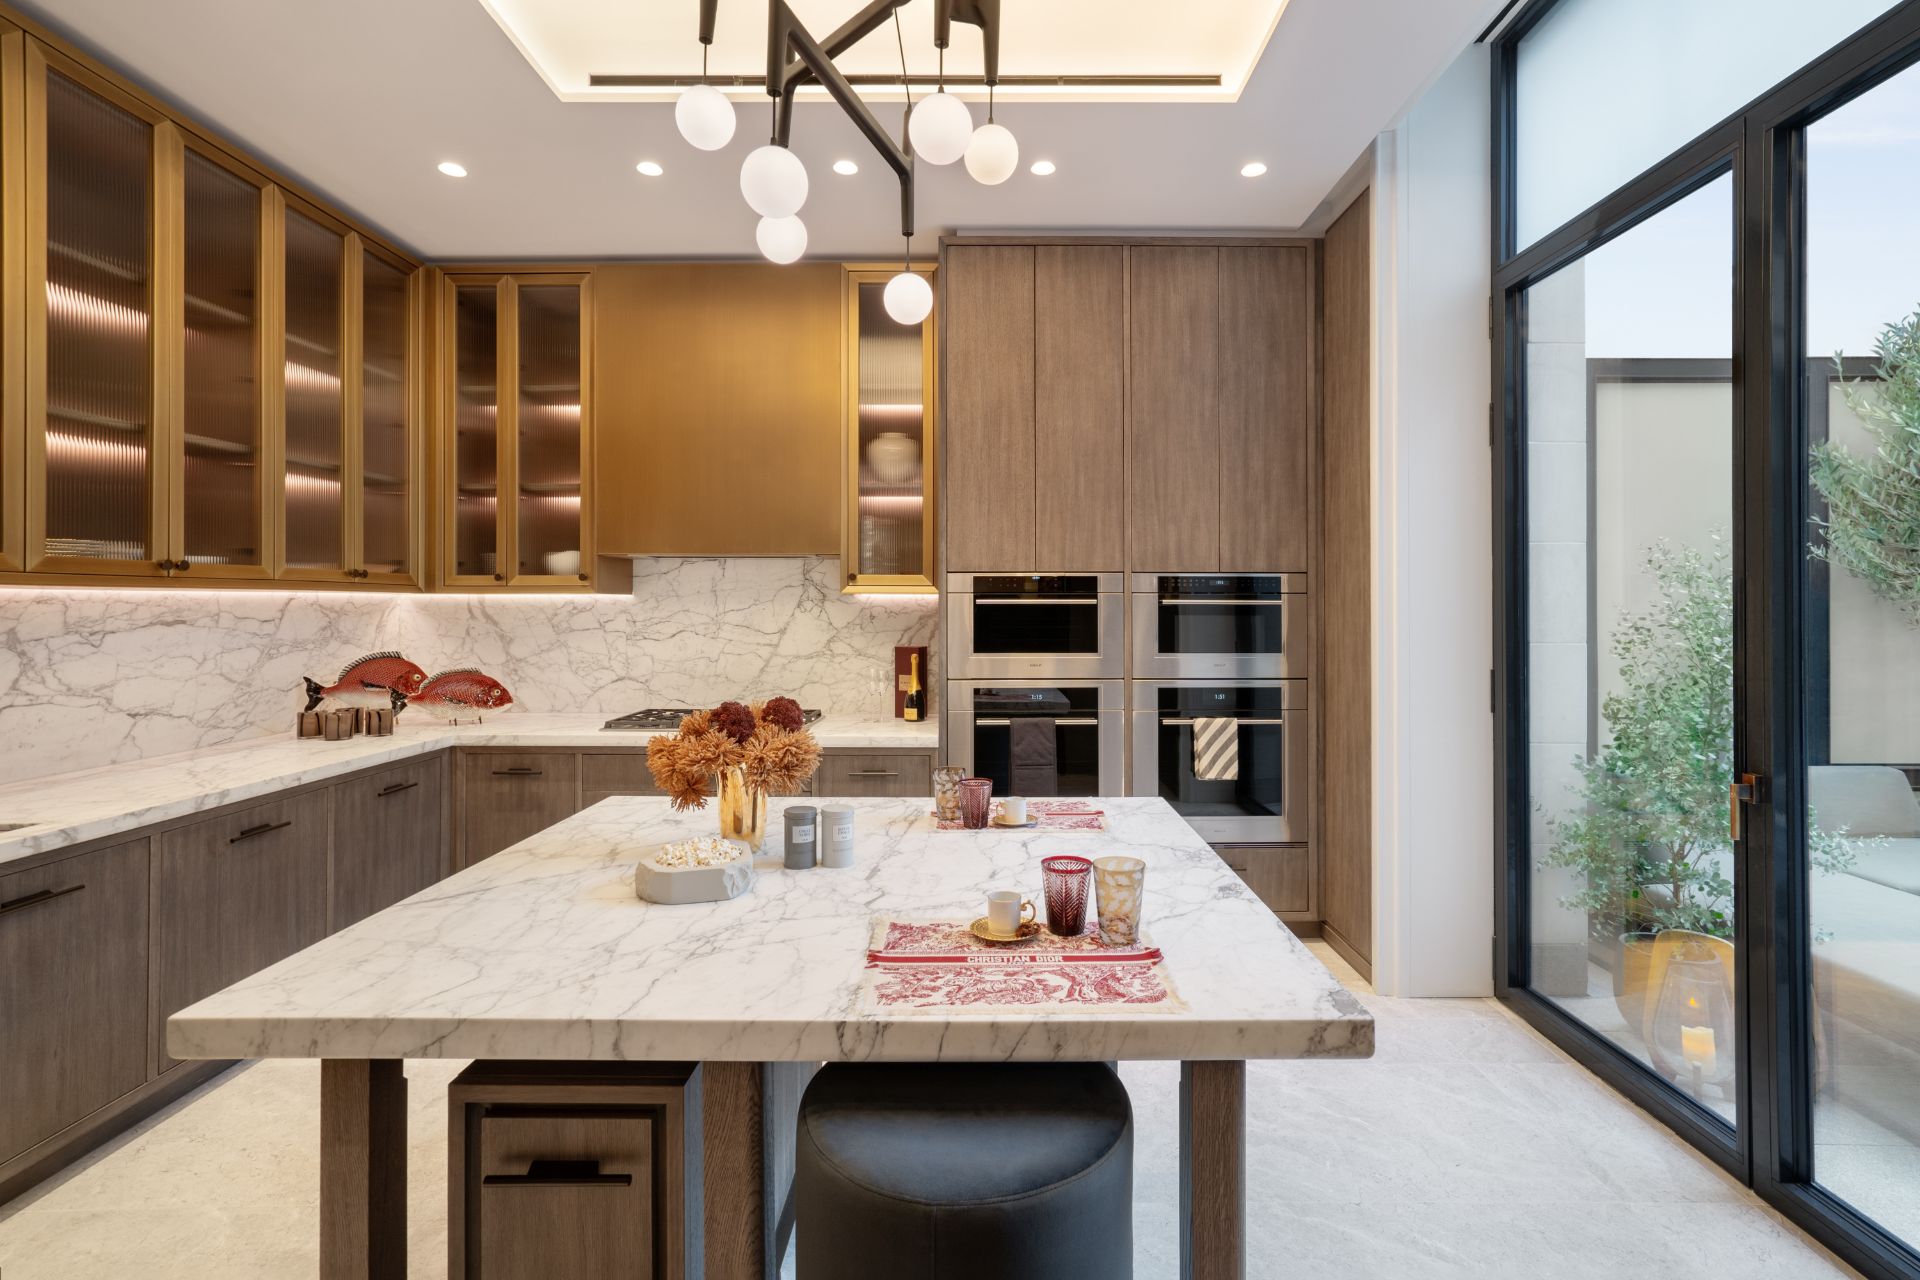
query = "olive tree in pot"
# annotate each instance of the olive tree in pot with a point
(1650, 834)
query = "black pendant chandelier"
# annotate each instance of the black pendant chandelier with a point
(939, 127)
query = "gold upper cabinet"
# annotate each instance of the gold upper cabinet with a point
(891, 443)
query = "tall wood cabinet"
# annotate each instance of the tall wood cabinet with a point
(207, 374)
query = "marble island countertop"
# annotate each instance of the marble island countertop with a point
(543, 951)
(68, 809)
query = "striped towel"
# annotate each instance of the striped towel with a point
(1216, 749)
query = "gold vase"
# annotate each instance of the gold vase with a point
(743, 809)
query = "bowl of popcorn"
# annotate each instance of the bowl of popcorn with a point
(703, 869)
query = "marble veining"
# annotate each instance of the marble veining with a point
(543, 951)
(91, 678)
(91, 804)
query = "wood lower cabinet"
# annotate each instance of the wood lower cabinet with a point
(614, 773)
(389, 838)
(506, 796)
(874, 773)
(73, 990)
(1280, 875)
(231, 895)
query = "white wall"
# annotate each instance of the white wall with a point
(1433, 636)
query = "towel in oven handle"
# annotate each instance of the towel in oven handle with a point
(1240, 720)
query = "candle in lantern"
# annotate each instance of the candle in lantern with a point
(1696, 1048)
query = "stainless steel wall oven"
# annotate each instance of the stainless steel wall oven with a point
(1225, 626)
(1036, 626)
(1230, 757)
(1066, 738)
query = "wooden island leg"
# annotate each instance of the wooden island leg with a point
(748, 1143)
(1213, 1170)
(363, 1169)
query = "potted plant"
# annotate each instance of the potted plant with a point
(741, 751)
(1650, 838)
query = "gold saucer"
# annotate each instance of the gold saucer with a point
(1025, 933)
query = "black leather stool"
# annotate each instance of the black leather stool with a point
(965, 1171)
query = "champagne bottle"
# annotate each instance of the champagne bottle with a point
(915, 707)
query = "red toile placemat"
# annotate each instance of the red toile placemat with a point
(1049, 815)
(939, 967)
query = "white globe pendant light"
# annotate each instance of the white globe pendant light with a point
(940, 128)
(705, 117)
(993, 154)
(774, 181)
(908, 298)
(782, 240)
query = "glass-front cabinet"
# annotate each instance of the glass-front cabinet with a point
(888, 541)
(220, 379)
(516, 444)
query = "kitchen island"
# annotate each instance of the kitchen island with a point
(543, 952)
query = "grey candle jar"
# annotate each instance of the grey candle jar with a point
(803, 844)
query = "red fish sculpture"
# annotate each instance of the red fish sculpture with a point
(377, 680)
(456, 694)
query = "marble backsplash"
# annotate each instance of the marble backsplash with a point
(90, 678)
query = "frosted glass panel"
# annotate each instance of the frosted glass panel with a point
(315, 470)
(1606, 88)
(892, 443)
(476, 430)
(98, 389)
(383, 416)
(550, 430)
(222, 447)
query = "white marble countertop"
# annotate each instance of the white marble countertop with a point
(67, 809)
(543, 951)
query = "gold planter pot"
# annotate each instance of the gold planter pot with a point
(743, 809)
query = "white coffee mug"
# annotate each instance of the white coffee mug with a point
(1006, 912)
(1013, 811)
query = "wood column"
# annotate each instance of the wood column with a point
(363, 1169)
(1213, 1170)
(747, 1181)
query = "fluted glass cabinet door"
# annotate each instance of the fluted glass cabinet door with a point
(223, 522)
(386, 544)
(93, 449)
(315, 495)
(549, 448)
(888, 542)
(13, 501)
(474, 460)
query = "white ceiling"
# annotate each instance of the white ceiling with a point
(362, 98)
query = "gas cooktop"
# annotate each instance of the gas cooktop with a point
(655, 719)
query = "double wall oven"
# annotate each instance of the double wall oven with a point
(1233, 626)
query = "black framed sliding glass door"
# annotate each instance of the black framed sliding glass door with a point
(1707, 390)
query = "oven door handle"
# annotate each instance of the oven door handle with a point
(1054, 600)
(1239, 720)
(1218, 600)
(1066, 720)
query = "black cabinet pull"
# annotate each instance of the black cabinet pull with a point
(518, 771)
(35, 899)
(260, 830)
(395, 788)
(559, 1173)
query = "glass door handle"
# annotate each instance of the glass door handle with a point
(1745, 790)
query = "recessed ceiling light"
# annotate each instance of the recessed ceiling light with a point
(1252, 169)
(453, 168)
(650, 167)
(845, 168)
(1041, 168)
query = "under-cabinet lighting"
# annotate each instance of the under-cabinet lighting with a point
(905, 409)
(452, 168)
(302, 377)
(68, 304)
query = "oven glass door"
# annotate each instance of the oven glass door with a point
(1055, 615)
(1221, 615)
(1038, 741)
(1258, 787)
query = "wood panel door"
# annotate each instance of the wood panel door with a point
(506, 796)
(389, 838)
(231, 895)
(73, 990)
(988, 424)
(1079, 366)
(1266, 409)
(1173, 425)
(874, 773)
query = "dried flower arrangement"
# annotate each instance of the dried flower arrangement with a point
(768, 741)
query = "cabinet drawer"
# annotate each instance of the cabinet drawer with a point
(232, 895)
(1277, 873)
(506, 796)
(625, 774)
(389, 838)
(565, 1197)
(876, 774)
(73, 990)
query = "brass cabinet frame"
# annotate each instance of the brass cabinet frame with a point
(506, 530)
(13, 253)
(347, 355)
(854, 582)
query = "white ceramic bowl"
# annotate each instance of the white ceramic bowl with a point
(561, 562)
